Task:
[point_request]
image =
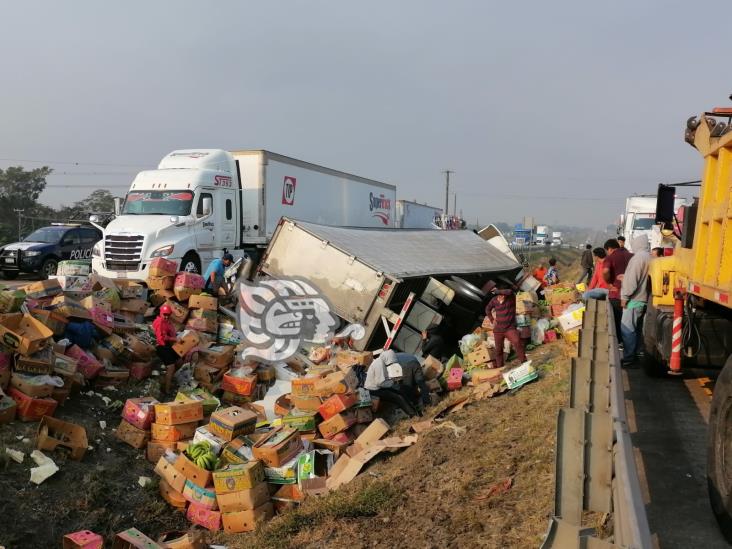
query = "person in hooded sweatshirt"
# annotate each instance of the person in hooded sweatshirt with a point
(634, 294)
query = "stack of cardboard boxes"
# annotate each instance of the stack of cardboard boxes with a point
(564, 303)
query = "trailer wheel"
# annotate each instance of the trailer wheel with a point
(652, 363)
(719, 451)
(190, 263)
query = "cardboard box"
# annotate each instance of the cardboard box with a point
(455, 379)
(205, 497)
(346, 358)
(337, 423)
(243, 500)
(432, 368)
(32, 409)
(70, 308)
(203, 434)
(84, 539)
(373, 433)
(301, 420)
(31, 385)
(207, 374)
(232, 422)
(283, 474)
(241, 385)
(183, 540)
(156, 449)
(203, 321)
(134, 539)
(86, 363)
(140, 412)
(187, 341)
(24, 334)
(479, 356)
(172, 496)
(176, 412)
(208, 401)
(197, 475)
(520, 375)
(247, 521)
(306, 403)
(140, 349)
(138, 306)
(43, 288)
(186, 285)
(7, 409)
(140, 370)
(217, 356)
(278, 447)
(336, 383)
(238, 477)
(168, 472)
(572, 319)
(41, 362)
(161, 282)
(204, 517)
(52, 320)
(364, 415)
(337, 404)
(137, 438)
(304, 386)
(173, 433)
(492, 375)
(160, 266)
(206, 302)
(11, 300)
(73, 268)
(54, 433)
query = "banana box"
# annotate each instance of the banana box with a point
(205, 497)
(197, 475)
(234, 478)
(203, 434)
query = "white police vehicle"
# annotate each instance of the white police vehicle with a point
(41, 250)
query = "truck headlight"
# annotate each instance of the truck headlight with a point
(31, 253)
(165, 251)
(97, 249)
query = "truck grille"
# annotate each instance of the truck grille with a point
(123, 252)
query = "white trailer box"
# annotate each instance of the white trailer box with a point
(412, 215)
(198, 202)
(639, 218)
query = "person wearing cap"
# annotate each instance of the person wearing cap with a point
(394, 378)
(165, 336)
(214, 275)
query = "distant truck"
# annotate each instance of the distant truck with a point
(413, 215)
(639, 218)
(541, 235)
(521, 236)
(199, 202)
(41, 251)
(556, 238)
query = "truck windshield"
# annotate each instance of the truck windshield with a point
(47, 235)
(643, 223)
(158, 203)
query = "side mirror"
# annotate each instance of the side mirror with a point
(117, 205)
(207, 205)
(665, 202)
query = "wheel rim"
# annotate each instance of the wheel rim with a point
(724, 463)
(190, 267)
(50, 268)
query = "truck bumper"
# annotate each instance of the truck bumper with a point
(98, 267)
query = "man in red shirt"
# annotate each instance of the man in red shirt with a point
(613, 268)
(501, 312)
(165, 336)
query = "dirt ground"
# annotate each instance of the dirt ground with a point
(100, 493)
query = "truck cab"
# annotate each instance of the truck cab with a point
(188, 210)
(41, 251)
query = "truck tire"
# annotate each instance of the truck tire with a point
(652, 364)
(49, 267)
(10, 275)
(719, 451)
(191, 263)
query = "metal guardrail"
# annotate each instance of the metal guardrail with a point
(595, 465)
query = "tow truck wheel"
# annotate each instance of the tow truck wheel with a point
(190, 263)
(49, 268)
(10, 275)
(719, 451)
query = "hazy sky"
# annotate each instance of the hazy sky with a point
(536, 106)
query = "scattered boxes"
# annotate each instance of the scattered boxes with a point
(176, 412)
(232, 422)
(54, 433)
(128, 433)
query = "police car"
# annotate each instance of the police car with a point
(41, 250)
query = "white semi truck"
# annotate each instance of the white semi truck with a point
(541, 235)
(413, 215)
(639, 218)
(199, 202)
(556, 238)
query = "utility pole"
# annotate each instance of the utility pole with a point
(454, 204)
(19, 212)
(447, 191)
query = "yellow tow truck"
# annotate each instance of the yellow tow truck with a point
(689, 318)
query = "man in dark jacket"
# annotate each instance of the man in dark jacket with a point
(501, 313)
(587, 263)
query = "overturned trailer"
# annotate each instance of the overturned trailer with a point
(393, 282)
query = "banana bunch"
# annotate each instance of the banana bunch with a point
(202, 455)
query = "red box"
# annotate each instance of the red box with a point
(204, 517)
(337, 404)
(550, 335)
(140, 412)
(85, 539)
(162, 267)
(86, 363)
(455, 381)
(239, 385)
(32, 409)
(558, 310)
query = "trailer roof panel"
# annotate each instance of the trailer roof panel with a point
(410, 253)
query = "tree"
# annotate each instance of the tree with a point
(100, 201)
(19, 189)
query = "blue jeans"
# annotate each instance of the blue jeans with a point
(631, 330)
(595, 293)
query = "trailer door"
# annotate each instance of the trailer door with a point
(226, 228)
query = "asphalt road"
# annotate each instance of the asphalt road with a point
(668, 421)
